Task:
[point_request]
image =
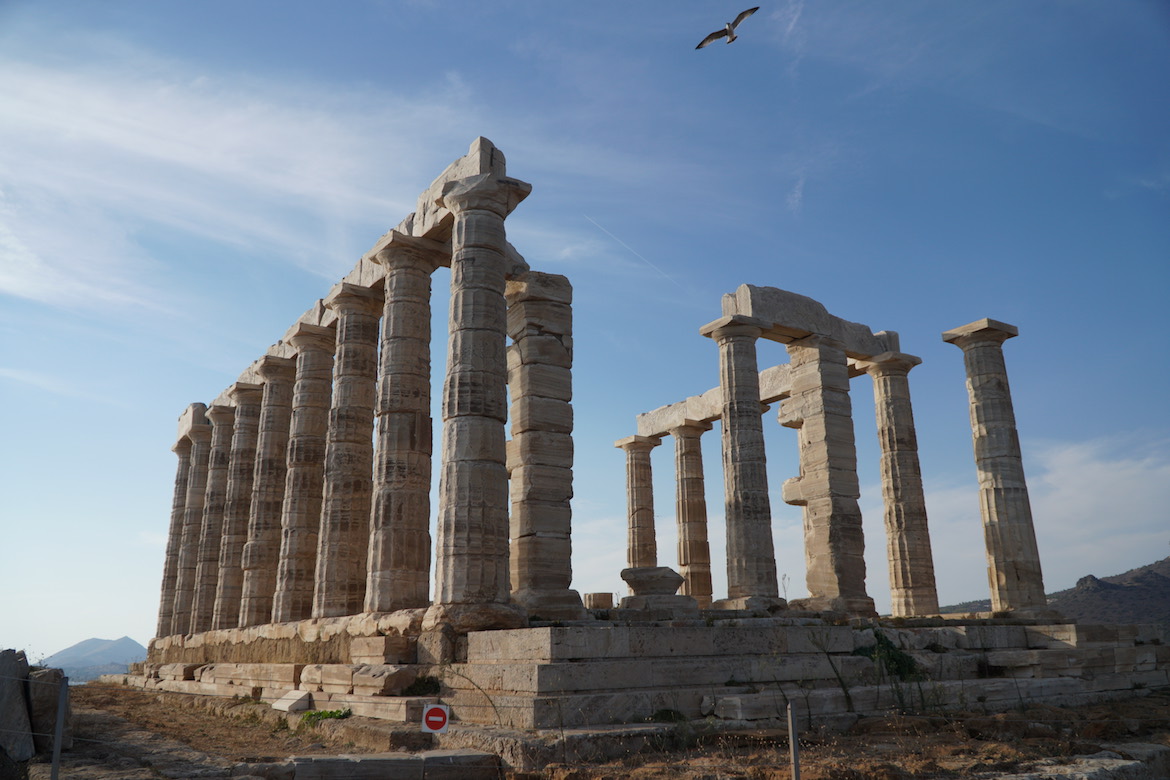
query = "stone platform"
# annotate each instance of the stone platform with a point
(732, 670)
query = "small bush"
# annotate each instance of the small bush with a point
(313, 717)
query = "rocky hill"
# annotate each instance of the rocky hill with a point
(92, 658)
(1140, 595)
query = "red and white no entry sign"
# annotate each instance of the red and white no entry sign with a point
(435, 718)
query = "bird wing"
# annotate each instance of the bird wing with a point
(712, 38)
(743, 15)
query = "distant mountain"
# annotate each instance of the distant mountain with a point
(93, 657)
(1140, 595)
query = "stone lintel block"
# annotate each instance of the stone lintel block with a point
(539, 317)
(993, 329)
(386, 649)
(538, 286)
(542, 414)
(789, 315)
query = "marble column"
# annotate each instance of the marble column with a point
(472, 582)
(540, 454)
(399, 560)
(211, 535)
(694, 552)
(751, 553)
(166, 607)
(349, 455)
(263, 546)
(238, 503)
(200, 436)
(1013, 559)
(305, 473)
(641, 541)
(912, 585)
(827, 489)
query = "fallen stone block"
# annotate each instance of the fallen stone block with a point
(294, 701)
(44, 686)
(382, 679)
(15, 731)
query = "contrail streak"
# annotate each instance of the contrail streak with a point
(634, 252)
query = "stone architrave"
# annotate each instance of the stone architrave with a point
(827, 489)
(238, 503)
(263, 546)
(694, 551)
(304, 478)
(641, 540)
(912, 584)
(472, 579)
(751, 554)
(166, 607)
(211, 536)
(399, 559)
(1013, 559)
(200, 435)
(349, 454)
(540, 454)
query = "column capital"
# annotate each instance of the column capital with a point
(486, 192)
(245, 392)
(354, 299)
(199, 433)
(889, 363)
(221, 414)
(398, 249)
(276, 369)
(980, 331)
(638, 443)
(308, 337)
(735, 325)
(182, 447)
(689, 429)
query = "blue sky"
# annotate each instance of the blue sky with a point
(179, 181)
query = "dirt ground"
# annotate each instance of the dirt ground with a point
(126, 734)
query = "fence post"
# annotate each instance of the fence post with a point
(793, 747)
(59, 729)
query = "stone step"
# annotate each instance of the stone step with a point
(432, 765)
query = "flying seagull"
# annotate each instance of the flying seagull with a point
(729, 28)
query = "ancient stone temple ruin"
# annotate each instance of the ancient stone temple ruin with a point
(300, 563)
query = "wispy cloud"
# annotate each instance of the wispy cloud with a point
(57, 386)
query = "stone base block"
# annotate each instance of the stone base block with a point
(551, 604)
(381, 650)
(432, 764)
(399, 709)
(756, 605)
(294, 701)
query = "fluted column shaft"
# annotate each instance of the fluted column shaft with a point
(472, 565)
(200, 436)
(263, 546)
(349, 455)
(304, 478)
(166, 607)
(694, 551)
(641, 538)
(237, 504)
(827, 488)
(751, 554)
(912, 583)
(399, 561)
(211, 535)
(540, 454)
(1013, 559)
